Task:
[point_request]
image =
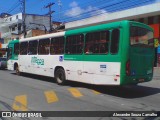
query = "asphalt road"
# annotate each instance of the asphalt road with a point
(37, 93)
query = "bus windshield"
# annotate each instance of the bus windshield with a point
(141, 36)
(9, 53)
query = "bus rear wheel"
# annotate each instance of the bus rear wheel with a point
(17, 70)
(60, 76)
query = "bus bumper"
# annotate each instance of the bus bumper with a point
(126, 80)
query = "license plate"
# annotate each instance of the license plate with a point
(141, 80)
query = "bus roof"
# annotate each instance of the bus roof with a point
(58, 34)
(106, 25)
(141, 25)
(13, 41)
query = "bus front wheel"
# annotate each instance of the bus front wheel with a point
(60, 76)
(17, 70)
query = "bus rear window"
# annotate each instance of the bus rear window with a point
(141, 36)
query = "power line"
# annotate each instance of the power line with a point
(15, 6)
(92, 10)
(33, 3)
(98, 8)
(112, 7)
(84, 4)
(108, 7)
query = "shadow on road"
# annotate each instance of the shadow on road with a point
(129, 92)
(37, 77)
(118, 91)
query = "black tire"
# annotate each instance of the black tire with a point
(60, 76)
(17, 70)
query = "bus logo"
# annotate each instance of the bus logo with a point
(60, 58)
(35, 60)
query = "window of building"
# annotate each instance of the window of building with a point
(16, 48)
(32, 49)
(19, 26)
(16, 16)
(13, 28)
(57, 45)
(115, 41)
(74, 44)
(150, 20)
(97, 42)
(23, 48)
(44, 46)
(141, 20)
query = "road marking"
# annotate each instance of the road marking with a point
(20, 103)
(75, 92)
(96, 92)
(51, 96)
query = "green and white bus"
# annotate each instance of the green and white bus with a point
(117, 53)
(12, 55)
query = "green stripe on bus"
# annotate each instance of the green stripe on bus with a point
(94, 58)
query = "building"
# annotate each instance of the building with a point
(58, 25)
(145, 13)
(11, 26)
(35, 32)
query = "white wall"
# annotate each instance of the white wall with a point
(13, 20)
(13, 17)
(133, 13)
(44, 20)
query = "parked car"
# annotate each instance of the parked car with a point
(3, 63)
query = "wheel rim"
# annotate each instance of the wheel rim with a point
(17, 70)
(60, 77)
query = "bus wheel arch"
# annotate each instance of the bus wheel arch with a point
(60, 75)
(16, 68)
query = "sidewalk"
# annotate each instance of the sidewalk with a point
(156, 73)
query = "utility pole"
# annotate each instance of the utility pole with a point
(50, 13)
(23, 2)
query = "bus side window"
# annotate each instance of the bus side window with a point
(89, 49)
(43, 47)
(23, 48)
(89, 43)
(103, 48)
(115, 41)
(57, 45)
(104, 42)
(33, 47)
(74, 44)
(97, 42)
